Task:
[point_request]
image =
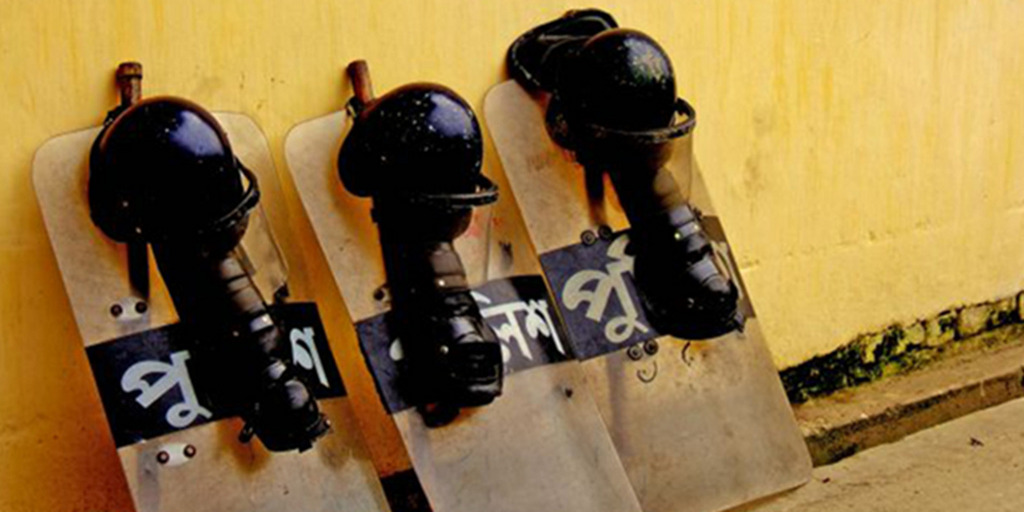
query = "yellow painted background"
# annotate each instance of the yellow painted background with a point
(864, 155)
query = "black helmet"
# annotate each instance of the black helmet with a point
(417, 152)
(614, 101)
(614, 104)
(418, 139)
(620, 79)
(613, 90)
(164, 167)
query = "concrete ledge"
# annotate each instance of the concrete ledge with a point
(852, 419)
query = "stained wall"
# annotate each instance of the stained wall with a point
(864, 157)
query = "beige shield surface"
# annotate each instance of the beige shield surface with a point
(699, 426)
(540, 447)
(224, 475)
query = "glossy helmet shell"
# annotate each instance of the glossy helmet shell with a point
(619, 79)
(419, 138)
(162, 168)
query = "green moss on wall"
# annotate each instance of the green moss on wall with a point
(901, 348)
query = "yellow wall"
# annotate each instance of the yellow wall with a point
(863, 154)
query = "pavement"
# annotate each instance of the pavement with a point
(985, 372)
(973, 463)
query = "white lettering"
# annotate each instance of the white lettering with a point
(620, 328)
(305, 353)
(179, 415)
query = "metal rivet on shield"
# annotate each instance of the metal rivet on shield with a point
(163, 457)
(588, 237)
(635, 352)
(116, 310)
(604, 232)
(189, 451)
(141, 307)
(651, 347)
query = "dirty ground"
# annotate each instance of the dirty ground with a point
(973, 463)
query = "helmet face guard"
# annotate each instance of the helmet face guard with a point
(613, 105)
(162, 173)
(417, 153)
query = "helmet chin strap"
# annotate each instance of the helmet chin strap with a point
(443, 203)
(249, 200)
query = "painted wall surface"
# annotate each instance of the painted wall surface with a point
(864, 156)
